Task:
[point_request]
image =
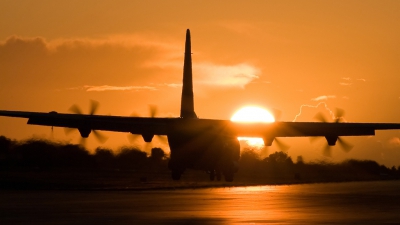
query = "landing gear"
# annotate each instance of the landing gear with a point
(228, 176)
(230, 169)
(218, 173)
(213, 174)
(176, 170)
(176, 174)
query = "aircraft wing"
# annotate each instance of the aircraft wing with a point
(135, 125)
(288, 129)
(307, 129)
(270, 131)
(164, 126)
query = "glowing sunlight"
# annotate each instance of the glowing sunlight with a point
(251, 114)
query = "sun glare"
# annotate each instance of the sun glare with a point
(252, 114)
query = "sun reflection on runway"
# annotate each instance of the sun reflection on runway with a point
(248, 204)
(334, 203)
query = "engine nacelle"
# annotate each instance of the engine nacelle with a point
(147, 137)
(331, 140)
(84, 132)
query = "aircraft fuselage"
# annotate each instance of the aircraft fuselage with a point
(203, 151)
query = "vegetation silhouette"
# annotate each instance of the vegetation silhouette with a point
(37, 163)
(278, 167)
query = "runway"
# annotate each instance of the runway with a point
(331, 203)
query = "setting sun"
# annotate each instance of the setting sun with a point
(251, 114)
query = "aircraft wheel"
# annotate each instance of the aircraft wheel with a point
(218, 173)
(176, 175)
(228, 176)
(212, 175)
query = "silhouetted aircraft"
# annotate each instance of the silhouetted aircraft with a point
(204, 144)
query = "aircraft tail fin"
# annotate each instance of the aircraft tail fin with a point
(187, 101)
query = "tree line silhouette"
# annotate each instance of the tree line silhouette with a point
(278, 167)
(46, 155)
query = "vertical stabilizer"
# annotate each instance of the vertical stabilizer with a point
(187, 102)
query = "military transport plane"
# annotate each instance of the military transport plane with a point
(203, 144)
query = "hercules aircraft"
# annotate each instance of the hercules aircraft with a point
(203, 144)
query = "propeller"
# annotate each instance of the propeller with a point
(280, 144)
(134, 137)
(153, 111)
(344, 145)
(94, 105)
(327, 151)
(52, 133)
(276, 113)
(339, 113)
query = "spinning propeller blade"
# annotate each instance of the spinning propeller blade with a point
(152, 113)
(94, 105)
(345, 146)
(281, 145)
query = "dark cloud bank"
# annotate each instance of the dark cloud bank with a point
(75, 62)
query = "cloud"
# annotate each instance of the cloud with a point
(348, 79)
(394, 142)
(173, 85)
(323, 98)
(61, 63)
(238, 75)
(211, 74)
(308, 112)
(118, 88)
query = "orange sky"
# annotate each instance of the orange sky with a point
(275, 54)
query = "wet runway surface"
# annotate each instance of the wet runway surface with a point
(333, 203)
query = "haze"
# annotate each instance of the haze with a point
(300, 57)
